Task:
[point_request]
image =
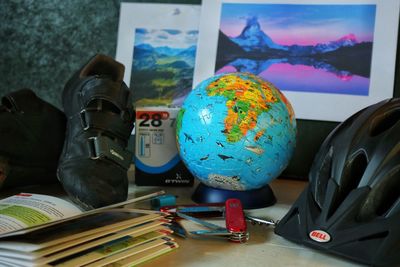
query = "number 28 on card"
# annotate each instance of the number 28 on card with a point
(153, 118)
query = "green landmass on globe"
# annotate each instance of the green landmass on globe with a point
(246, 100)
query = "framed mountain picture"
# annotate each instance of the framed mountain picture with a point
(157, 44)
(329, 58)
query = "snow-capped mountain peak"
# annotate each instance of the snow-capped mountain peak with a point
(347, 40)
(252, 27)
(253, 37)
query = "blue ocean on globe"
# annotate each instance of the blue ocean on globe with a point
(236, 131)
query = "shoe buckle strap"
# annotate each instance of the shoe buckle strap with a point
(99, 88)
(109, 122)
(84, 123)
(104, 147)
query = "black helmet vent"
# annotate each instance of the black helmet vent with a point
(352, 174)
(390, 193)
(386, 121)
(324, 174)
(382, 197)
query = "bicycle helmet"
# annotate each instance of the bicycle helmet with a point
(351, 206)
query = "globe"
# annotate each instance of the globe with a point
(236, 131)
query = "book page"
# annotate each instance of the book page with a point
(26, 230)
(81, 249)
(131, 251)
(112, 248)
(27, 210)
(143, 256)
(101, 223)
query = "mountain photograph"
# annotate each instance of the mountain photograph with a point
(162, 66)
(309, 48)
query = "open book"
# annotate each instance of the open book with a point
(54, 233)
(25, 212)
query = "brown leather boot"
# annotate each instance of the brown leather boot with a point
(94, 162)
(31, 138)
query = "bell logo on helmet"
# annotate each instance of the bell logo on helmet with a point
(320, 236)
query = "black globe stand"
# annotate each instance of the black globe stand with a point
(251, 199)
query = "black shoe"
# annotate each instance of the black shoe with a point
(31, 137)
(94, 162)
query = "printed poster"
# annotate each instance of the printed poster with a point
(157, 43)
(329, 58)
